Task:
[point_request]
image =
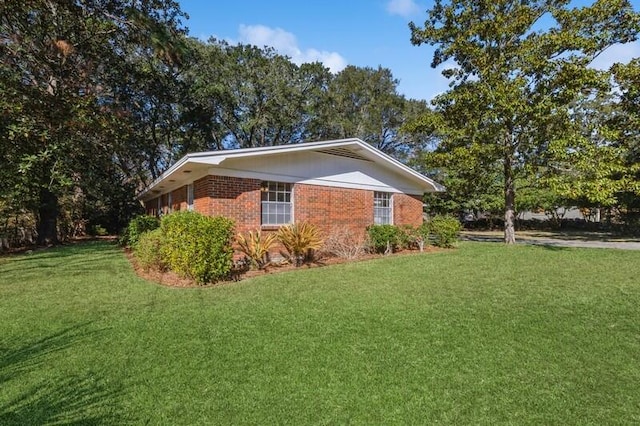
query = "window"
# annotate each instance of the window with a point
(159, 207)
(190, 196)
(170, 202)
(381, 208)
(276, 203)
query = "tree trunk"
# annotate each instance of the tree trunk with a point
(47, 218)
(509, 202)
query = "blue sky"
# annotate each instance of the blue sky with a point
(340, 33)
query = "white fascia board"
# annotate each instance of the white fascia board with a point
(333, 181)
(217, 158)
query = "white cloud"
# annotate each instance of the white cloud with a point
(622, 53)
(404, 8)
(286, 43)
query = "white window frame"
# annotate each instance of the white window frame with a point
(190, 197)
(379, 199)
(276, 204)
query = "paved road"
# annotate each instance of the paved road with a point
(556, 242)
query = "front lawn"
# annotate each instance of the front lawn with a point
(482, 334)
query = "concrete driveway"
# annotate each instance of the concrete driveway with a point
(595, 240)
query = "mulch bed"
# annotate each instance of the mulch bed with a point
(171, 279)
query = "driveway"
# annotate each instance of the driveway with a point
(560, 240)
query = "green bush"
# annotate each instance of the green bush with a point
(444, 230)
(147, 250)
(98, 231)
(196, 246)
(138, 226)
(384, 238)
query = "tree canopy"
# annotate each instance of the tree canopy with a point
(99, 98)
(518, 68)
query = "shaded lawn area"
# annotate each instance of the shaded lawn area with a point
(483, 334)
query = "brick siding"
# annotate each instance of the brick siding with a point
(407, 209)
(329, 207)
(326, 207)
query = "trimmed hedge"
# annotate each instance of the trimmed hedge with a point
(196, 246)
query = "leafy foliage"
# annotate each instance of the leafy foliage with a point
(514, 85)
(197, 246)
(67, 72)
(138, 226)
(299, 240)
(148, 250)
(384, 238)
(444, 230)
(256, 247)
(416, 236)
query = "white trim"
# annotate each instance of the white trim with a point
(291, 203)
(390, 207)
(221, 171)
(217, 158)
(190, 197)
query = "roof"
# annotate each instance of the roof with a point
(352, 148)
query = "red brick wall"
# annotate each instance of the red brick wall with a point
(179, 199)
(329, 207)
(325, 207)
(407, 209)
(235, 198)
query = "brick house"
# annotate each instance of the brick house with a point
(340, 183)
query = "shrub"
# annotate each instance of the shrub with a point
(138, 226)
(384, 238)
(444, 230)
(300, 239)
(197, 246)
(416, 237)
(256, 247)
(406, 237)
(98, 231)
(344, 243)
(147, 250)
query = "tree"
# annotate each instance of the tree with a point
(363, 102)
(519, 65)
(63, 66)
(245, 96)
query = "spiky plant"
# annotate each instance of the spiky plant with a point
(299, 239)
(256, 247)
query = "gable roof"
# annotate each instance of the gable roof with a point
(351, 148)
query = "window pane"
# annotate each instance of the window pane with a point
(382, 208)
(276, 203)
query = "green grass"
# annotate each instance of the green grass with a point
(485, 334)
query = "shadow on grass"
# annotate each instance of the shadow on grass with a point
(62, 251)
(90, 252)
(76, 399)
